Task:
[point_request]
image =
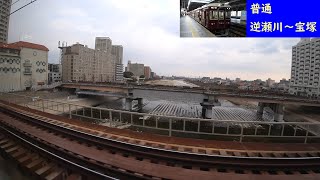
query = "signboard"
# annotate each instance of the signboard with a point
(279, 18)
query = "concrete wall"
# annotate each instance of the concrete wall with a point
(24, 70)
(136, 69)
(39, 67)
(10, 72)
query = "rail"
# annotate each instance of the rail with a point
(66, 162)
(304, 132)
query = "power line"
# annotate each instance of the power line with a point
(32, 1)
(15, 2)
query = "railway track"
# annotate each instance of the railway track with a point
(104, 156)
(237, 30)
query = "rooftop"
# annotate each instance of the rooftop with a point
(7, 46)
(22, 44)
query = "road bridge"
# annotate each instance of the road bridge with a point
(191, 28)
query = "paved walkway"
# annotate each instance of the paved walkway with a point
(191, 28)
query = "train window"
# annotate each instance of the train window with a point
(228, 14)
(221, 14)
(214, 15)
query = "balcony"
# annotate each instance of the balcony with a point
(27, 72)
(27, 64)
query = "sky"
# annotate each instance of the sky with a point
(149, 32)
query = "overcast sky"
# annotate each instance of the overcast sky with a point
(149, 32)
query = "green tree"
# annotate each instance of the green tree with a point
(127, 74)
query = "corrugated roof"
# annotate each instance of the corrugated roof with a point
(22, 44)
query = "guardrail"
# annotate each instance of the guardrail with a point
(305, 132)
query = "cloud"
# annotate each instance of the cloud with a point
(149, 32)
(72, 12)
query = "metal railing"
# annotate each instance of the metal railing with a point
(304, 132)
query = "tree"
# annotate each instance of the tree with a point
(127, 74)
(134, 79)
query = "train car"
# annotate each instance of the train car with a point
(216, 17)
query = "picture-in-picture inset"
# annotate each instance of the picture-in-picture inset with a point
(213, 18)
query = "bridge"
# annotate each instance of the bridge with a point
(49, 146)
(206, 98)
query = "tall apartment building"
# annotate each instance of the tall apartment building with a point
(5, 7)
(305, 68)
(81, 63)
(117, 52)
(119, 73)
(23, 66)
(103, 43)
(147, 72)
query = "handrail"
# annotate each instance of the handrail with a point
(172, 117)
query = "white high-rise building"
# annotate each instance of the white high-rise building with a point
(305, 68)
(117, 52)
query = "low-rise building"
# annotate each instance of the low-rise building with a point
(270, 82)
(136, 69)
(54, 73)
(205, 79)
(23, 66)
(147, 72)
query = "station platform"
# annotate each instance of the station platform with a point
(191, 28)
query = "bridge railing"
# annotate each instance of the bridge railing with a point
(235, 130)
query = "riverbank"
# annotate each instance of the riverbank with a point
(166, 82)
(244, 104)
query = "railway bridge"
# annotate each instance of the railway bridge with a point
(191, 28)
(49, 146)
(206, 98)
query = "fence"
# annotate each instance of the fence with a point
(175, 126)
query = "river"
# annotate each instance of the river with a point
(186, 107)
